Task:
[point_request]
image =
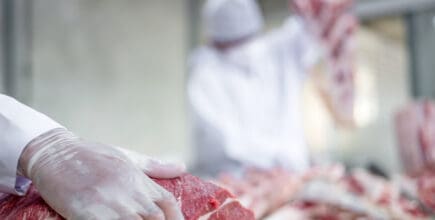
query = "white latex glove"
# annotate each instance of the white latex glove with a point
(84, 180)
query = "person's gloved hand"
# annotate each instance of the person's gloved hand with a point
(84, 180)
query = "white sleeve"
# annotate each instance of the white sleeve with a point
(19, 124)
(310, 48)
(294, 41)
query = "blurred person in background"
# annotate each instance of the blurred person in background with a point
(77, 178)
(245, 87)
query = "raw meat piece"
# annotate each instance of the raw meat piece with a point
(198, 199)
(415, 129)
(262, 191)
(233, 210)
(30, 207)
(426, 188)
(323, 193)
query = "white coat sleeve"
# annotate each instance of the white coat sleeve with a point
(294, 41)
(19, 124)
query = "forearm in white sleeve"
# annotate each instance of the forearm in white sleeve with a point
(19, 124)
(310, 48)
(294, 41)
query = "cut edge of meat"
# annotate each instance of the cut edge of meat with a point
(231, 209)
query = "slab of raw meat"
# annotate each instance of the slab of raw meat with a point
(415, 129)
(198, 199)
(426, 189)
(232, 210)
(262, 190)
(30, 207)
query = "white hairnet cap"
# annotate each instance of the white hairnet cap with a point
(229, 20)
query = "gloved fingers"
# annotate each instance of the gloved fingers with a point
(149, 209)
(158, 169)
(126, 213)
(169, 206)
(131, 216)
(103, 212)
(164, 200)
(153, 167)
(130, 207)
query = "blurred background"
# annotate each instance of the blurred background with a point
(115, 71)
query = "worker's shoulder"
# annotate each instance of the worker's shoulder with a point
(204, 67)
(203, 55)
(202, 60)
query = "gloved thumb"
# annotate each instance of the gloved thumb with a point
(163, 170)
(153, 167)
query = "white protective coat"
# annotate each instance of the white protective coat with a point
(245, 102)
(19, 125)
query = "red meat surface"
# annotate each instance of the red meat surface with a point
(29, 207)
(196, 197)
(233, 210)
(199, 198)
(426, 188)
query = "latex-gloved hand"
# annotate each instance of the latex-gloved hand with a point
(84, 180)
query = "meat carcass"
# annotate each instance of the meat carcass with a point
(415, 129)
(262, 191)
(203, 200)
(426, 189)
(199, 200)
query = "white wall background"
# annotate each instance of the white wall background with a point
(113, 71)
